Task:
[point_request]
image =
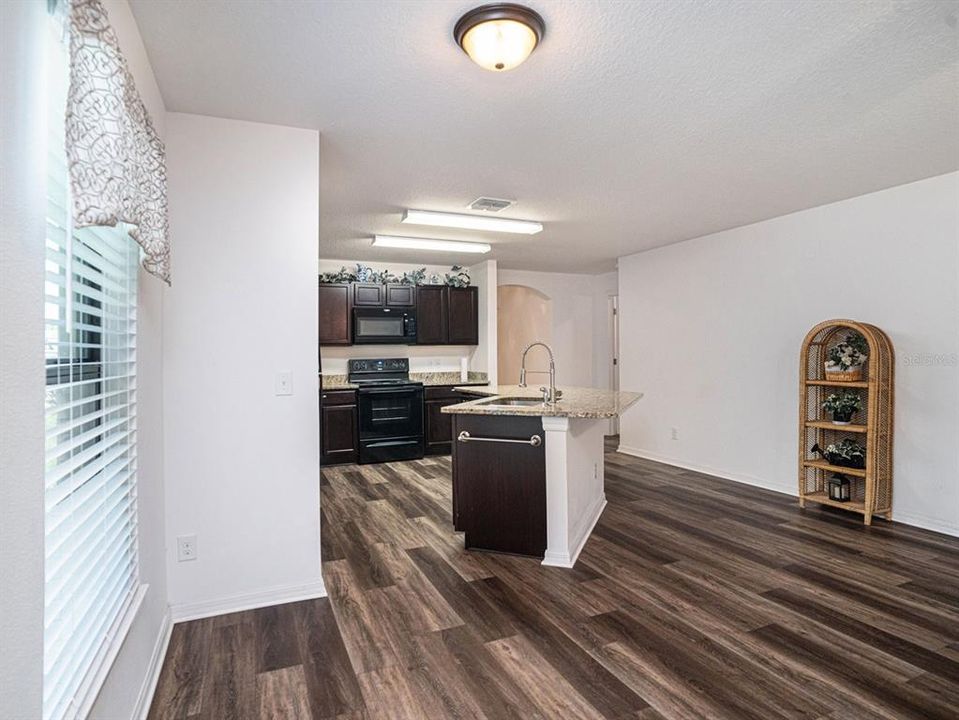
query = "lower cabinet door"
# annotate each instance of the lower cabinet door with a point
(339, 442)
(439, 427)
(499, 489)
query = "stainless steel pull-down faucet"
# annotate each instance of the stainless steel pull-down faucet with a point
(550, 394)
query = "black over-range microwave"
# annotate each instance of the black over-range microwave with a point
(384, 325)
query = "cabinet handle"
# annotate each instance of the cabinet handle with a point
(535, 440)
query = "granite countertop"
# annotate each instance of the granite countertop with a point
(429, 379)
(577, 402)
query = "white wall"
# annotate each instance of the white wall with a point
(22, 226)
(580, 338)
(242, 464)
(484, 277)
(129, 685)
(427, 358)
(711, 330)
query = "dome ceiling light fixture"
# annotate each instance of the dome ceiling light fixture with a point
(499, 36)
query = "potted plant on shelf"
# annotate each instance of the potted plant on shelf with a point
(846, 359)
(845, 453)
(842, 406)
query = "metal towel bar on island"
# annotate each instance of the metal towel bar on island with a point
(464, 436)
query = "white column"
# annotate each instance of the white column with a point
(557, 492)
(575, 495)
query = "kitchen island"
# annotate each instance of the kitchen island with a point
(528, 475)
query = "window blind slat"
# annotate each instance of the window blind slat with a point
(67, 444)
(79, 588)
(66, 427)
(76, 486)
(99, 397)
(79, 650)
(70, 519)
(90, 460)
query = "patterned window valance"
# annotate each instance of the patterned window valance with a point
(117, 161)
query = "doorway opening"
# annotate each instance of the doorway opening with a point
(524, 314)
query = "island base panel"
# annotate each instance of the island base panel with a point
(499, 489)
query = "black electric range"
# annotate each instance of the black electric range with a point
(390, 410)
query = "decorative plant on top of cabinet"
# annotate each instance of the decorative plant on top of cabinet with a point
(846, 369)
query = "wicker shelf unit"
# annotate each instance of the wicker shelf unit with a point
(872, 425)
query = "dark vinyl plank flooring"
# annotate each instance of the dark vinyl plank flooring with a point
(695, 597)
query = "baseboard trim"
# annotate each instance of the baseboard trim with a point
(152, 677)
(924, 523)
(568, 560)
(743, 479)
(906, 518)
(248, 601)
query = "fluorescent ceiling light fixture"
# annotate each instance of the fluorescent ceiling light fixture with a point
(471, 222)
(391, 241)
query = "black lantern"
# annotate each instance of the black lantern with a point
(839, 488)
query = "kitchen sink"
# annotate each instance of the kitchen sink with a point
(513, 402)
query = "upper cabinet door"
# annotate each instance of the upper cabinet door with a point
(334, 306)
(368, 294)
(432, 315)
(400, 295)
(463, 316)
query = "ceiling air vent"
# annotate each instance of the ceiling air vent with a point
(490, 204)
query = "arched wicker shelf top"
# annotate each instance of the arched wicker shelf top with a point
(826, 334)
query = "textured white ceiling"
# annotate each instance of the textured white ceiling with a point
(633, 125)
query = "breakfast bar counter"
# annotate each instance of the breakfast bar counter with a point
(528, 475)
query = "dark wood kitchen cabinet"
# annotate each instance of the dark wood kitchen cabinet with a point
(439, 427)
(432, 315)
(499, 488)
(463, 316)
(335, 322)
(339, 433)
(400, 295)
(447, 315)
(444, 315)
(368, 294)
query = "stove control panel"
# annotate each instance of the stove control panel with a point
(388, 365)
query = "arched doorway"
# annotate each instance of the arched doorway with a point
(523, 315)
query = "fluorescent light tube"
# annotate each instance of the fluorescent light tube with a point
(471, 222)
(392, 241)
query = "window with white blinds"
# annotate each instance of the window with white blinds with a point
(91, 574)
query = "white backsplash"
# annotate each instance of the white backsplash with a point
(422, 359)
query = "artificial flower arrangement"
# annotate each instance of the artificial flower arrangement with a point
(846, 359)
(457, 277)
(842, 406)
(845, 453)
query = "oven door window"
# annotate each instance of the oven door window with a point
(379, 327)
(391, 413)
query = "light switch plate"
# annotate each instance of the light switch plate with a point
(284, 383)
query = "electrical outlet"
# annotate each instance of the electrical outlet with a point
(675, 433)
(284, 383)
(185, 548)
